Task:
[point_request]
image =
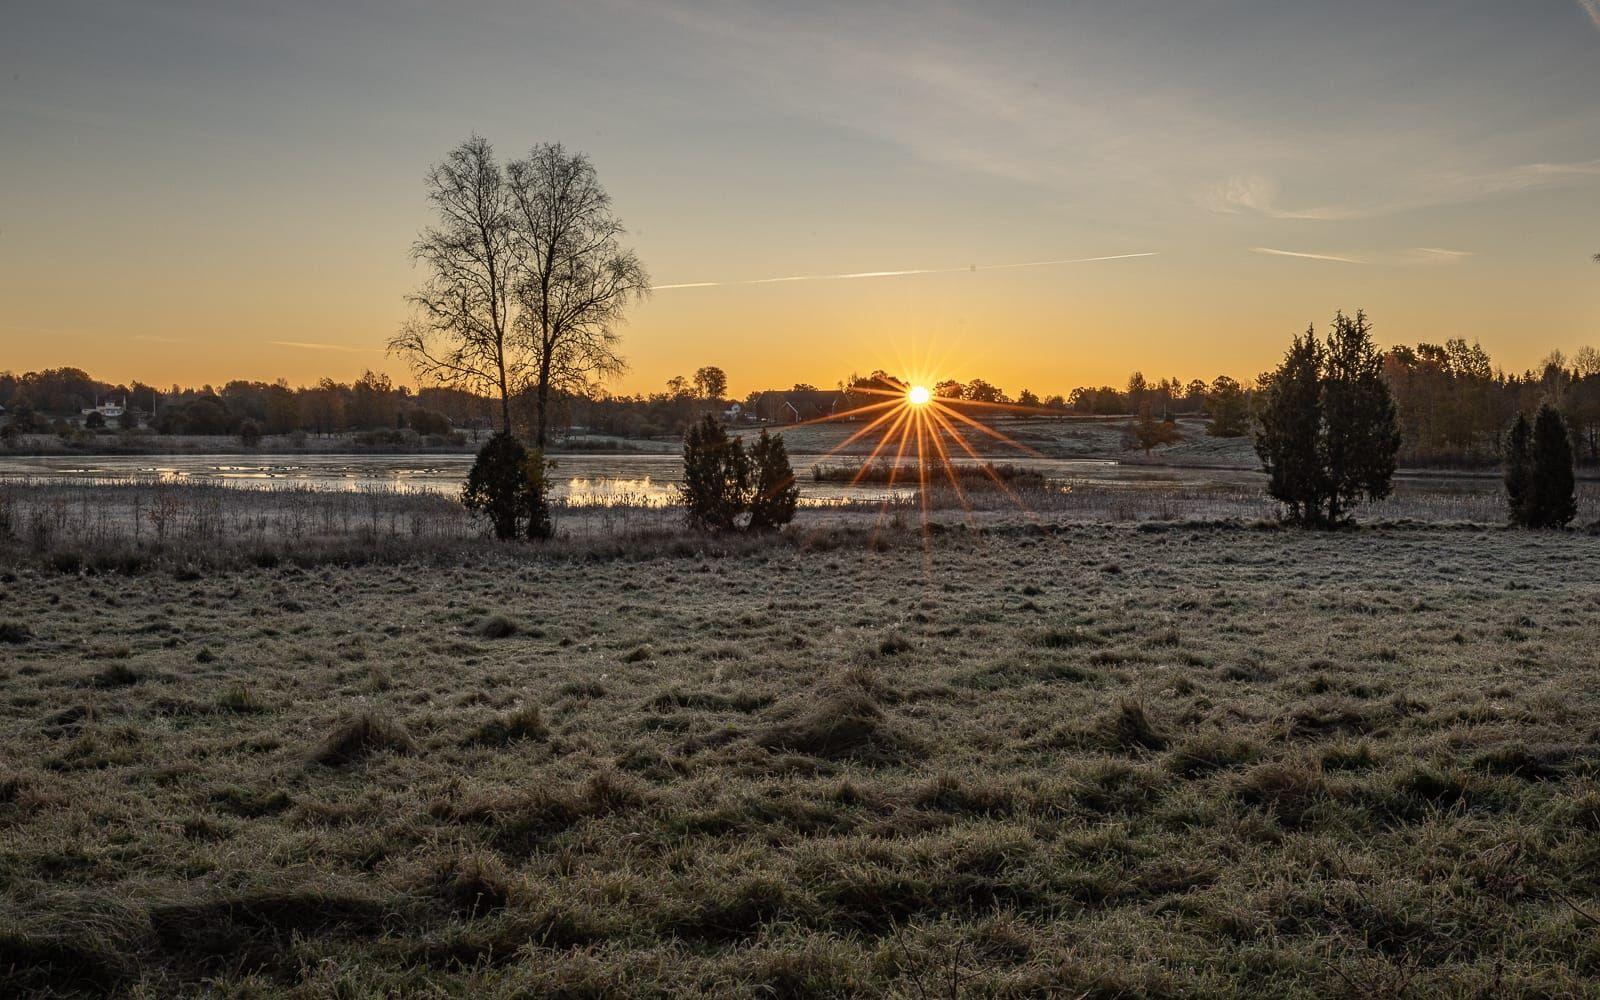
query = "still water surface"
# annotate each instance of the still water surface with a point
(579, 478)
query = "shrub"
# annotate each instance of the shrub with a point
(716, 476)
(428, 422)
(774, 494)
(1538, 471)
(507, 485)
(249, 433)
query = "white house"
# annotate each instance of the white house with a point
(108, 410)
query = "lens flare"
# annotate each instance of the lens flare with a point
(902, 419)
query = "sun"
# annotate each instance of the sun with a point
(918, 395)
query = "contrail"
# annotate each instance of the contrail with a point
(1307, 256)
(896, 274)
(309, 346)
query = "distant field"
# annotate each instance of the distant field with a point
(1048, 437)
(1104, 761)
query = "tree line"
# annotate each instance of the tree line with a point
(1329, 432)
(40, 402)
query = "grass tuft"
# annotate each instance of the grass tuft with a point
(497, 627)
(523, 723)
(356, 736)
(842, 718)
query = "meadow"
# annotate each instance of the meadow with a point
(1028, 757)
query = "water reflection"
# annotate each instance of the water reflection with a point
(605, 480)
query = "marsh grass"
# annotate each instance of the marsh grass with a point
(1252, 762)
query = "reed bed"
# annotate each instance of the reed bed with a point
(125, 523)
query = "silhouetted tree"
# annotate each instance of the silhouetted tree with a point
(1289, 431)
(1550, 500)
(711, 382)
(249, 433)
(1225, 403)
(716, 476)
(463, 338)
(575, 277)
(1360, 435)
(773, 491)
(1150, 431)
(1518, 469)
(1328, 436)
(428, 422)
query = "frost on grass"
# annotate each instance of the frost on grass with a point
(1249, 763)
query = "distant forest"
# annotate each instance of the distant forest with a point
(1454, 404)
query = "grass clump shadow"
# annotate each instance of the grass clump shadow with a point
(497, 627)
(354, 737)
(1129, 727)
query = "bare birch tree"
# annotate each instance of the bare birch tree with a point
(462, 336)
(575, 277)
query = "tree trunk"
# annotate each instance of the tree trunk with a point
(543, 401)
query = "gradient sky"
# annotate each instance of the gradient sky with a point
(194, 192)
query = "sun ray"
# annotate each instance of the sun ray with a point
(986, 467)
(852, 439)
(888, 436)
(834, 417)
(952, 411)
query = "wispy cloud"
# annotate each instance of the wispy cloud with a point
(1592, 8)
(310, 346)
(1259, 194)
(1441, 254)
(898, 274)
(1307, 256)
(147, 338)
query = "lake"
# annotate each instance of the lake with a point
(579, 478)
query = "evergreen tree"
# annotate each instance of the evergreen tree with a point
(1550, 501)
(498, 486)
(716, 476)
(775, 494)
(1518, 469)
(1328, 435)
(1289, 431)
(1360, 436)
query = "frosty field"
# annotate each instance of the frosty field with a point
(1026, 760)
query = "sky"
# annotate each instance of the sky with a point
(195, 192)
